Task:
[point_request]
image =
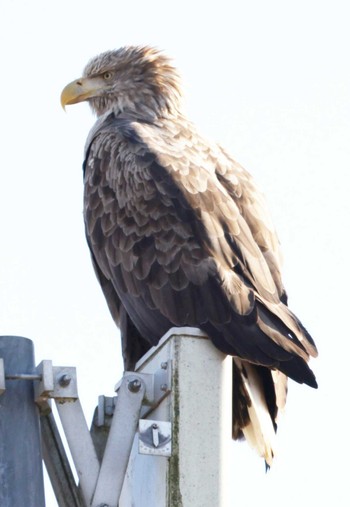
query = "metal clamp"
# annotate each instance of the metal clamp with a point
(14, 376)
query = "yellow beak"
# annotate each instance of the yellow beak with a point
(78, 90)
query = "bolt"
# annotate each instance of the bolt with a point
(155, 426)
(134, 385)
(164, 387)
(65, 380)
(164, 365)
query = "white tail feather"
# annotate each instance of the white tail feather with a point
(259, 432)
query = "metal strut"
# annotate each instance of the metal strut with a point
(101, 475)
(112, 469)
(123, 429)
(100, 478)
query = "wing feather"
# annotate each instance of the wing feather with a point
(180, 231)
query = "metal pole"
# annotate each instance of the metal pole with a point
(21, 474)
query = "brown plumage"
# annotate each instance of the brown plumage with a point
(180, 236)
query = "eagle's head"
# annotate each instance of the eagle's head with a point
(136, 80)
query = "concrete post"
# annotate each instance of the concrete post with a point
(200, 410)
(21, 474)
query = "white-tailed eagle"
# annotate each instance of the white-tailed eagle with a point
(180, 236)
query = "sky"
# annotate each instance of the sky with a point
(270, 81)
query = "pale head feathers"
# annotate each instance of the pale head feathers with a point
(137, 80)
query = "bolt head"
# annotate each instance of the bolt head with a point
(134, 385)
(65, 380)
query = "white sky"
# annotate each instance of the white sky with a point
(268, 79)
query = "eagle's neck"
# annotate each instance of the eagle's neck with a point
(148, 108)
(145, 103)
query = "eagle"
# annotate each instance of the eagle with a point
(180, 235)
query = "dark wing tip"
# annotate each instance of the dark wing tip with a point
(298, 370)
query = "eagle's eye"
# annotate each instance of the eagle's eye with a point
(107, 75)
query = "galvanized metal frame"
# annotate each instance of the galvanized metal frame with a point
(99, 483)
(184, 382)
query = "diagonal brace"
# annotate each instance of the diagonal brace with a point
(101, 483)
(120, 440)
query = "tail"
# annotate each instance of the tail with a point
(259, 395)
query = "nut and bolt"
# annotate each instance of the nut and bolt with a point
(65, 380)
(134, 385)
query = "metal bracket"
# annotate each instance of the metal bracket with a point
(14, 376)
(105, 409)
(162, 382)
(58, 382)
(158, 386)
